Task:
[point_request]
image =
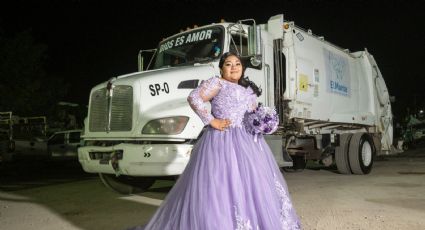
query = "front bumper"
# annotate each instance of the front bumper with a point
(137, 159)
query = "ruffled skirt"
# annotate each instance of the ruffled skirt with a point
(232, 181)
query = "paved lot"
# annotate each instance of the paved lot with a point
(61, 196)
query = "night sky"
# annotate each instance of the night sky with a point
(91, 41)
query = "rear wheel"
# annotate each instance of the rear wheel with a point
(361, 153)
(126, 184)
(405, 146)
(341, 154)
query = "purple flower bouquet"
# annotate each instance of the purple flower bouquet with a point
(262, 120)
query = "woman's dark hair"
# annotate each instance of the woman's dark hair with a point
(243, 81)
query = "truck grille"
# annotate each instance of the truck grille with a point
(121, 109)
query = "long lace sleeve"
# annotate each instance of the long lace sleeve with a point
(252, 100)
(203, 93)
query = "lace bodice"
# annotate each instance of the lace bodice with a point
(228, 101)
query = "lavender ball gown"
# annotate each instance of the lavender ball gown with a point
(231, 181)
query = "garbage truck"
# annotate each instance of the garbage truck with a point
(333, 105)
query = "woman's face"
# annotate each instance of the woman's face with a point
(232, 69)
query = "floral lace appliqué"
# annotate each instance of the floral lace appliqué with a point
(232, 102)
(228, 101)
(202, 94)
(285, 208)
(242, 224)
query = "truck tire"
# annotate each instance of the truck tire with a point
(341, 154)
(406, 146)
(126, 184)
(361, 153)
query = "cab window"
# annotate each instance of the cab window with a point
(239, 44)
(57, 139)
(194, 46)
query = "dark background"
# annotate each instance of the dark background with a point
(88, 42)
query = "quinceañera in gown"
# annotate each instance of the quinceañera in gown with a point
(232, 181)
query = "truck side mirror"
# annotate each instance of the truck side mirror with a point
(141, 61)
(254, 44)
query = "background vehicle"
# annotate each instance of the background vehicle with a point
(64, 145)
(27, 136)
(333, 104)
(413, 132)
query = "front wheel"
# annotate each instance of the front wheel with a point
(126, 184)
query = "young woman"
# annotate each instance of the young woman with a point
(231, 181)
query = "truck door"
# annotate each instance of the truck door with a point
(56, 145)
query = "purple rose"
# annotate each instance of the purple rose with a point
(267, 118)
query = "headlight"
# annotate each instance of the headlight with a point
(166, 125)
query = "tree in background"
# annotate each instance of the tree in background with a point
(25, 88)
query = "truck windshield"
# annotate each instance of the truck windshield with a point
(195, 46)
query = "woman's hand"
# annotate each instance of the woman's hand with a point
(220, 124)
